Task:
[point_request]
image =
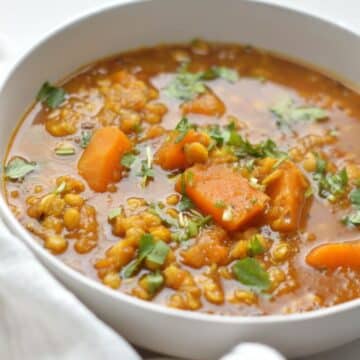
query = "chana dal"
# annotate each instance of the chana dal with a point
(209, 177)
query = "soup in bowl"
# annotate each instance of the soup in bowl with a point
(205, 187)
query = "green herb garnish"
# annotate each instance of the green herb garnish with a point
(146, 245)
(85, 138)
(249, 272)
(186, 85)
(113, 213)
(51, 95)
(147, 172)
(330, 186)
(17, 168)
(65, 150)
(128, 159)
(255, 246)
(354, 217)
(183, 127)
(221, 72)
(159, 253)
(185, 203)
(154, 282)
(287, 113)
(155, 252)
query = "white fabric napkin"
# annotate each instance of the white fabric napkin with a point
(41, 320)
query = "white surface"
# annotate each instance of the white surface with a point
(41, 320)
(16, 18)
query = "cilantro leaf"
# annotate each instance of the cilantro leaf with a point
(355, 197)
(154, 282)
(159, 253)
(17, 168)
(249, 272)
(146, 245)
(222, 72)
(128, 159)
(182, 127)
(287, 113)
(354, 217)
(330, 186)
(50, 95)
(185, 86)
(255, 246)
(185, 203)
(85, 138)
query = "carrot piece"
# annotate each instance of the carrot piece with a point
(221, 192)
(100, 161)
(331, 256)
(205, 104)
(171, 154)
(287, 193)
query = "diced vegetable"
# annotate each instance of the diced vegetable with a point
(171, 154)
(287, 193)
(333, 255)
(211, 184)
(101, 159)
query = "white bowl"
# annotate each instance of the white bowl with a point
(125, 26)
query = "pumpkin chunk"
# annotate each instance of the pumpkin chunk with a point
(223, 193)
(287, 193)
(100, 161)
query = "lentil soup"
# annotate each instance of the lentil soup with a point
(210, 177)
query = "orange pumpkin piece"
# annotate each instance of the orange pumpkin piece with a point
(287, 193)
(204, 104)
(222, 192)
(171, 155)
(331, 256)
(100, 161)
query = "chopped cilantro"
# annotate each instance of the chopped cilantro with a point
(85, 138)
(146, 172)
(185, 203)
(159, 253)
(128, 159)
(354, 217)
(154, 282)
(50, 95)
(222, 72)
(287, 113)
(186, 85)
(183, 127)
(255, 246)
(330, 186)
(249, 272)
(17, 168)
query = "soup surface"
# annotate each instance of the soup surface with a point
(209, 177)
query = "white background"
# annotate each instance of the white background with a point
(25, 21)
